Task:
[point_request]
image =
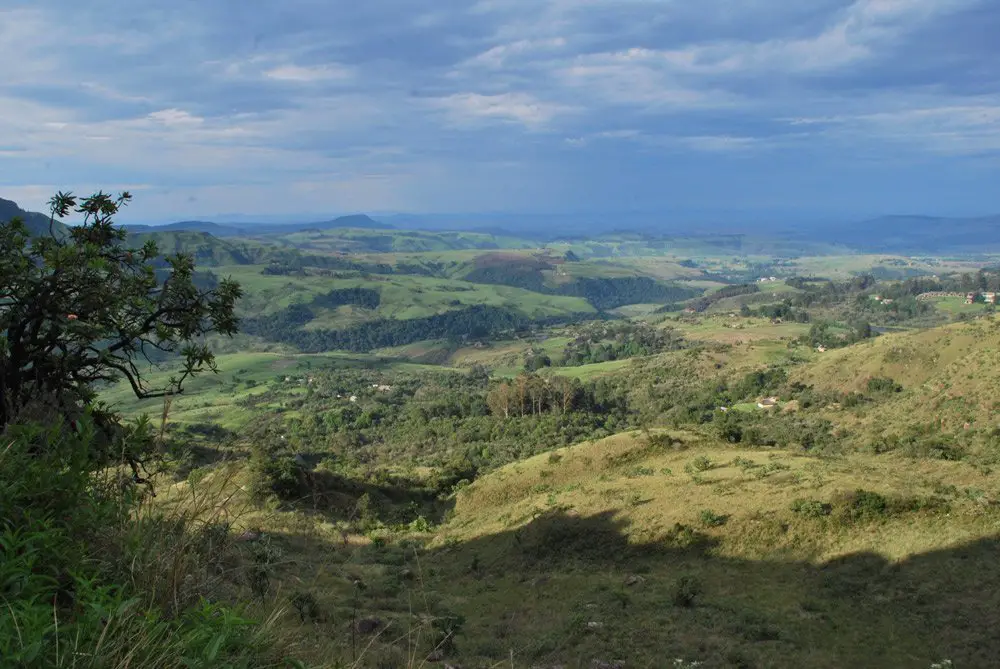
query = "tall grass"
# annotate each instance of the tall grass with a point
(92, 574)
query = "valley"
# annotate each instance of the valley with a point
(597, 453)
(500, 334)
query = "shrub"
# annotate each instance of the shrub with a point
(768, 469)
(852, 400)
(744, 463)
(702, 463)
(685, 536)
(711, 519)
(883, 386)
(81, 308)
(664, 442)
(685, 591)
(862, 506)
(366, 513)
(811, 508)
(277, 475)
(445, 628)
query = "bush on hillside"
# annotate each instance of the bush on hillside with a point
(811, 508)
(84, 577)
(685, 591)
(880, 385)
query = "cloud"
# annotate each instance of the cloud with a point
(701, 143)
(954, 129)
(497, 56)
(522, 108)
(464, 103)
(303, 74)
(175, 117)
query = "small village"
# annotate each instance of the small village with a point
(987, 298)
(974, 297)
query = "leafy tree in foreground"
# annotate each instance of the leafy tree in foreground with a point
(84, 309)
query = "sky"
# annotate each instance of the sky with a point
(205, 109)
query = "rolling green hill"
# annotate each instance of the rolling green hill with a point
(209, 250)
(348, 240)
(950, 379)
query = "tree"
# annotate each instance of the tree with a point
(85, 309)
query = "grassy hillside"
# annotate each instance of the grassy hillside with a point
(402, 296)
(351, 240)
(950, 378)
(628, 551)
(218, 398)
(207, 249)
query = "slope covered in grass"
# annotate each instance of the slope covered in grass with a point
(949, 378)
(694, 551)
(626, 550)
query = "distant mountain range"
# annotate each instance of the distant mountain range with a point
(256, 229)
(912, 234)
(886, 234)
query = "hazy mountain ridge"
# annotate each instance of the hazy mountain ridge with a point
(362, 221)
(903, 233)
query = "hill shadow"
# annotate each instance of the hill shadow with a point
(566, 589)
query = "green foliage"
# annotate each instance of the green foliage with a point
(362, 297)
(610, 293)
(446, 628)
(606, 341)
(604, 293)
(535, 361)
(274, 473)
(66, 602)
(885, 386)
(826, 334)
(704, 303)
(366, 513)
(84, 309)
(811, 508)
(709, 518)
(685, 591)
(862, 506)
(685, 536)
(306, 606)
(472, 323)
(702, 463)
(768, 469)
(760, 382)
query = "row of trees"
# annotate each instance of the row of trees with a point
(471, 323)
(530, 394)
(618, 340)
(603, 293)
